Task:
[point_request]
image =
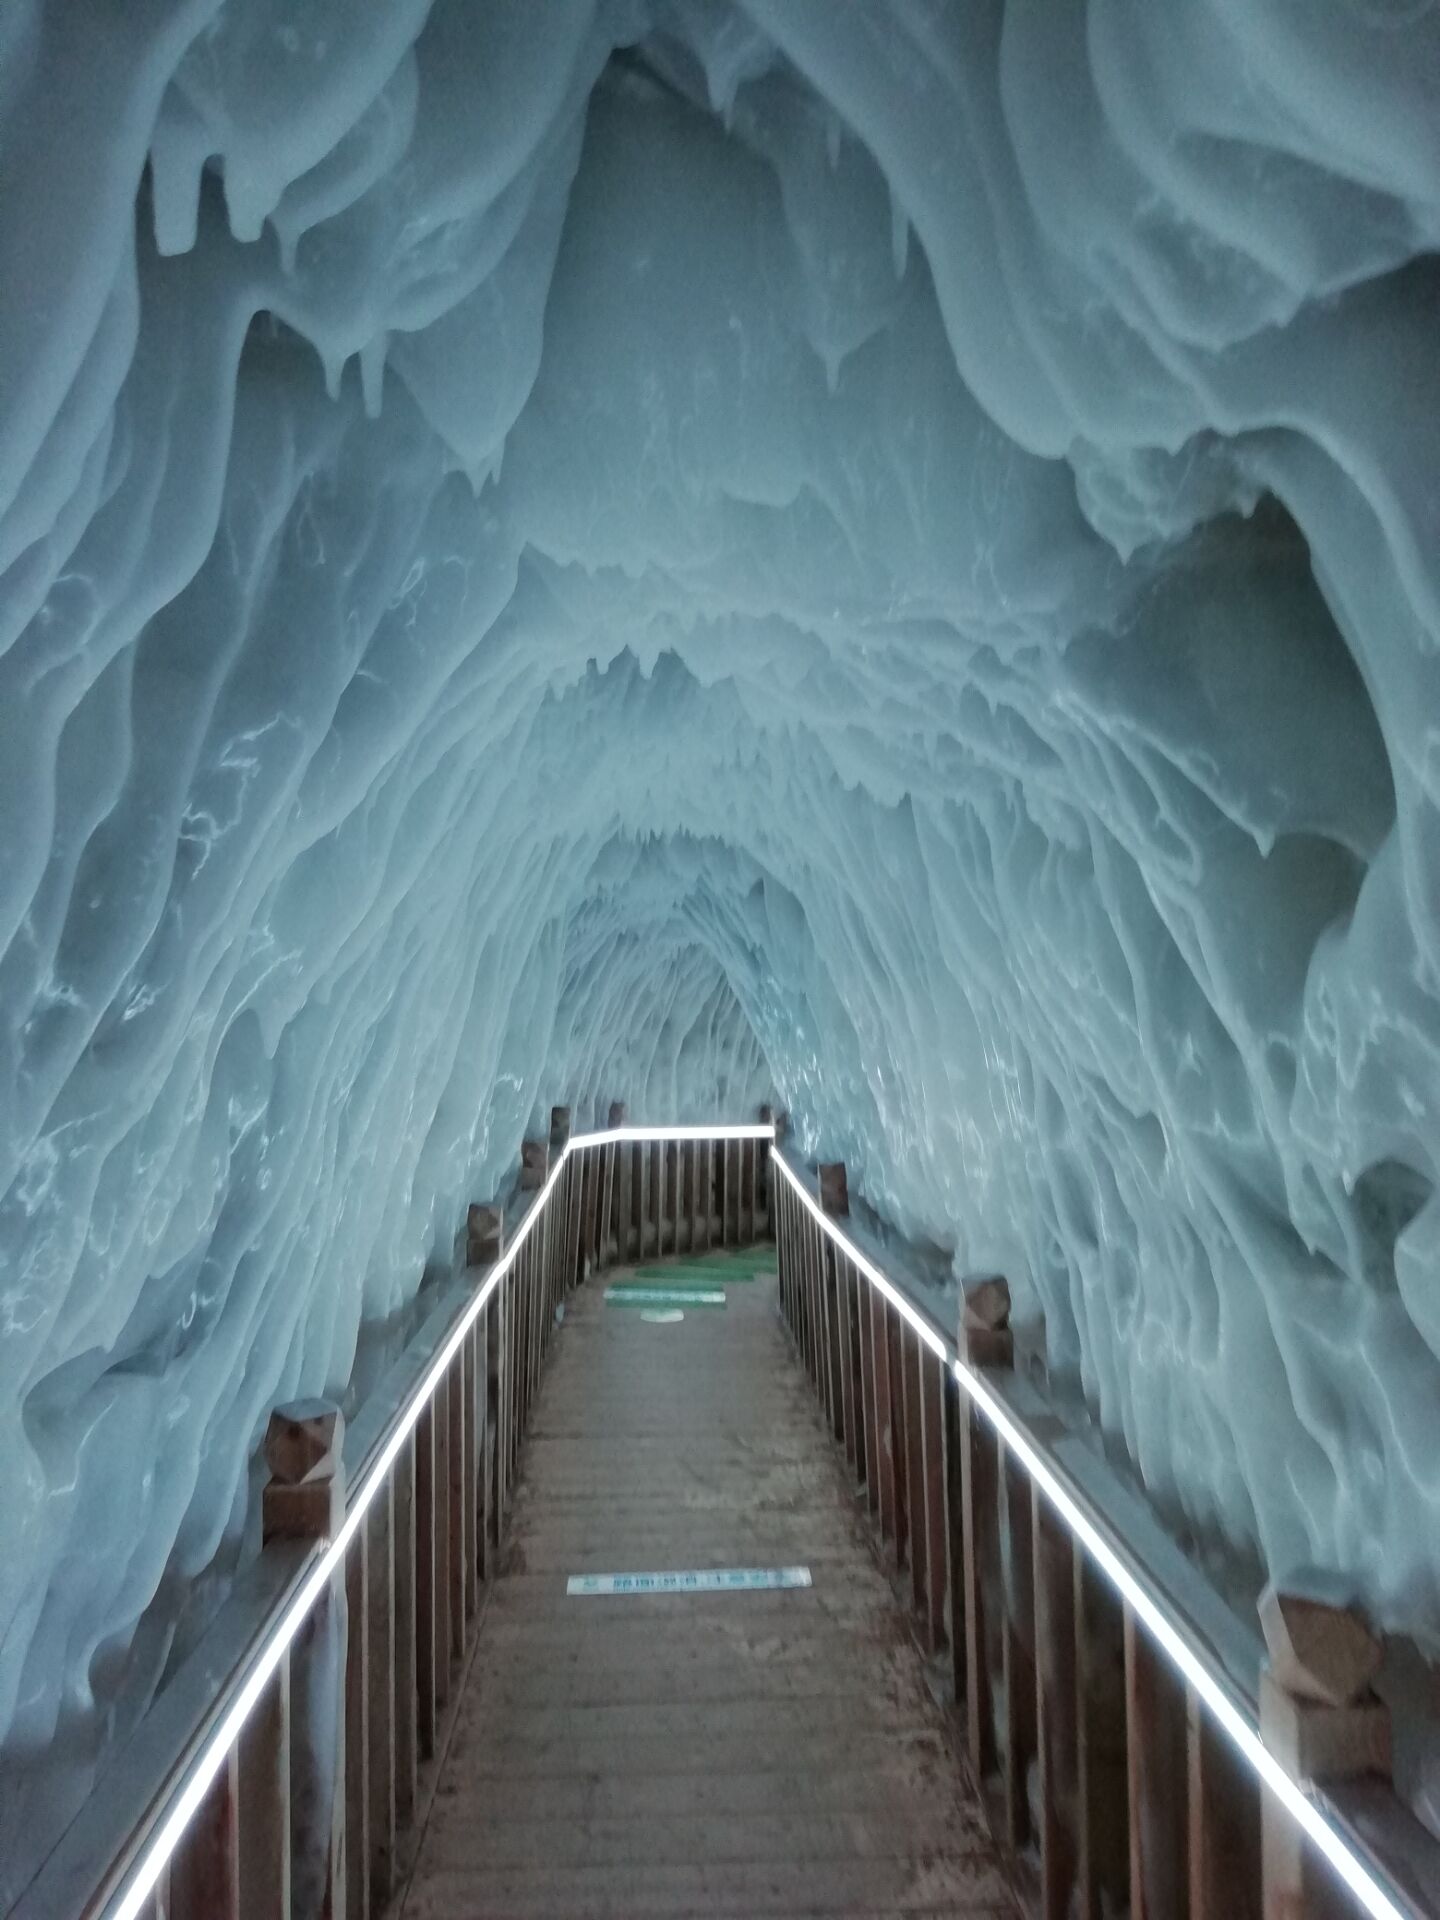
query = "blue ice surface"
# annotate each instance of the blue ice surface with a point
(885, 554)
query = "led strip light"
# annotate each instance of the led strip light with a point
(1351, 1869)
(140, 1883)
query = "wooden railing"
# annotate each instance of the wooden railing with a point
(1121, 1720)
(279, 1772)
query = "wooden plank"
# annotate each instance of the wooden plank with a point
(380, 1693)
(405, 1711)
(1056, 1698)
(264, 1798)
(1017, 1548)
(1102, 1770)
(428, 1580)
(357, 1729)
(1224, 1822)
(648, 1756)
(1157, 1780)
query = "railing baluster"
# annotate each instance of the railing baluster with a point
(895, 1331)
(380, 1691)
(460, 1389)
(406, 1678)
(884, 1415)
(870, 1420)
(1158, 1790)
(357, 1729)
(1224, 1821)
(427, 1582)
(1056, 1706)
(1102, 1768)
(1018, 1534)
(956, 1413)
(932, 1486)
(980, 1486)
(444, 1541)
(204, 1881)
(915, 1471)
(265, 1804)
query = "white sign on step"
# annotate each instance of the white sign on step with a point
(700, 1580)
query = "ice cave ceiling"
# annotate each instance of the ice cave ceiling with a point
(663, 550)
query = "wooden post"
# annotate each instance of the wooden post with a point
(405, 1671)
(559, 1130)
(980, 1527)
(1158, 1786)
(615, 1207)
(1102, 1771)
(380, 1708)
(264, 1790)
(427, 1581)
(205, 1869)
(1056, 1708)
(534, 1165)
(910, 1350)
(357, 1729)
(444, 1540)
(484, 1234)
(1321, 1720)
(885, 1437)
(764, 1197)
(304, 1499)
(931, 1494)
(1017, 1526)
(1224, 1812)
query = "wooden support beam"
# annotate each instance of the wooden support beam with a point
(484, 1234)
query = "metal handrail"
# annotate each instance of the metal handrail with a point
(98, 1872)
(1029, 1435)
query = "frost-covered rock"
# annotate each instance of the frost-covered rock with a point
(887, 553)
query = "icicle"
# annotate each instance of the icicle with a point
(372, 372)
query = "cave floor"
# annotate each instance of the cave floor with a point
(735, 1753)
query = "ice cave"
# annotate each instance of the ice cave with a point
(880, 555)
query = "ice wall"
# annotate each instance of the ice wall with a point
(656, 551)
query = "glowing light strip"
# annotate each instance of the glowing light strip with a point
(1351, 1869)
(141, 1880)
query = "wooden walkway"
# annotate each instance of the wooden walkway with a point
(729, 1754)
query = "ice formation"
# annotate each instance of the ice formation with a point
(660, 550)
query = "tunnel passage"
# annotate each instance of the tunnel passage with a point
(881, 553)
